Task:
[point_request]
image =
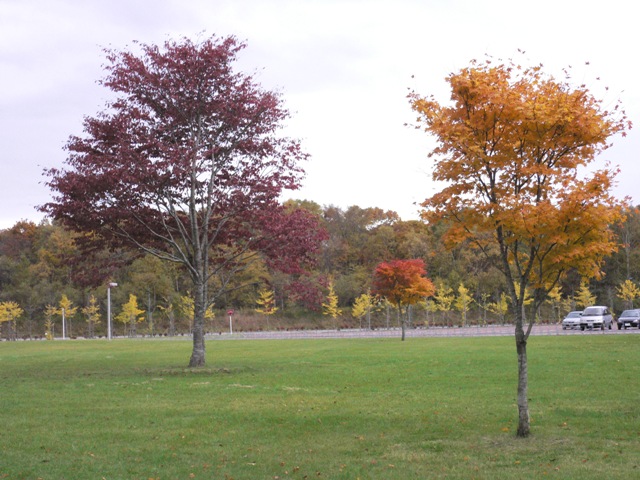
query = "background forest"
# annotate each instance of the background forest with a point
(43, 269)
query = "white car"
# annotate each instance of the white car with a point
(572, 320)
(596, 317)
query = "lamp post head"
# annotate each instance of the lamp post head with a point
(112, 284)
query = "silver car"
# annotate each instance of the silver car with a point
(596, 317)
(572, 320)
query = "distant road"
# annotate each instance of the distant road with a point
(488, 331)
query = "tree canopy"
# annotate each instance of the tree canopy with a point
(402, 283)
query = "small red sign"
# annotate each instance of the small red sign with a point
(229, 312)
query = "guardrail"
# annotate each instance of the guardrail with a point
(474, 331)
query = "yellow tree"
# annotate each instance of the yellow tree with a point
(430, 307)
(186, 306)
(628, 292)
(484, 297)
(583, 296)
(500, 307)
(554, 298)
(9, 313)
(330, 307)
(266, 303)
(131, 314)
(362, 307)
(512, 147)
(463, 302)
(92, 314)
(66, 310)
(444, 298)
(49, 324)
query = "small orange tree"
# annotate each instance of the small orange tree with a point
(512, 145)
(402, 283)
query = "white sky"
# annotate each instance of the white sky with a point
(343, 68)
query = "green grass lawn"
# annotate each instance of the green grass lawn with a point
(328, 409)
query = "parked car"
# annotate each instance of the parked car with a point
(596, 317)
(572, 320)
(629, 318)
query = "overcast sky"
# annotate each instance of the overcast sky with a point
(343, 68)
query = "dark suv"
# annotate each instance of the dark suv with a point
(629, 318)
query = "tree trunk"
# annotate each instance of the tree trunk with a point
(523, 381)
(198, 357)
(403, 321)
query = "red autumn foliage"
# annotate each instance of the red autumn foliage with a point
(188, 164)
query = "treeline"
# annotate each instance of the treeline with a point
(44, 268)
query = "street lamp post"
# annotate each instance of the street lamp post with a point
(64, 330)
(112, 284)
(230, 313)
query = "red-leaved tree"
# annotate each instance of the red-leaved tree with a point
(402, 283)
(188, 164)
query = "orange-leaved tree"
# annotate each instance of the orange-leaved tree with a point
(512, 147)
(402, 283)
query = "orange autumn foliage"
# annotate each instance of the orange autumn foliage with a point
(512, 145)
(402, 282)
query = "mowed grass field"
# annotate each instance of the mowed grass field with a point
(319, 409)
